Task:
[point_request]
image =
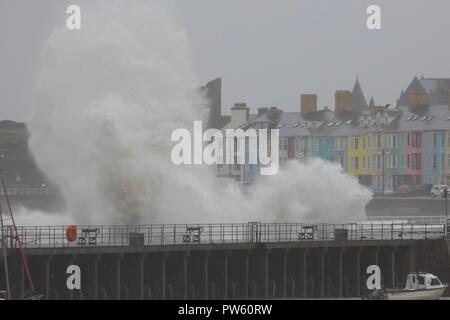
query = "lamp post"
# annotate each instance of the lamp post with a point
(383, 172)
(446, 211)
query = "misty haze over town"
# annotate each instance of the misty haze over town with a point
(301, 150)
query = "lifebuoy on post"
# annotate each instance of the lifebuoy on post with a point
(71, 233)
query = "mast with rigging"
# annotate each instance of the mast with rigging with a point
(17, 239)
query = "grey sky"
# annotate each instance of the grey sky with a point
(266, 51)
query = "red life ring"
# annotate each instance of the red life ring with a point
(71, 233)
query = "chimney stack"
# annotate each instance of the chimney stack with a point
(262, 111)
(308, 104)
(343, 101)
(274, 114)
(240, 112)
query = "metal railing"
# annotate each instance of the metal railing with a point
(158, 235)
(409, 219)
(27, 192)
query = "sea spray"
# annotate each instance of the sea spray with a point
(106, 101)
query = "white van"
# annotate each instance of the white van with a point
(438, 191)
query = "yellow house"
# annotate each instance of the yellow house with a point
(374, 155)
(356, 159)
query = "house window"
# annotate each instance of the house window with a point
(408, 161)
(301, 145)
(435, 161)
(392, 161)
(317, 144)
(338, 144)
(355, 163)
(283, 144)
(448, 139)
(435, 139)
(355, 143)
(378, 160)
(402, 161)
(416, 138)
(378, 140)
(409, 139)
(392, 140)
(416, 161)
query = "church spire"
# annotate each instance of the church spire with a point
(359, 102)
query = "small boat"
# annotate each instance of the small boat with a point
(419, 286)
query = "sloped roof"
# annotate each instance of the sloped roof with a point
(436, 89)
(428, 118)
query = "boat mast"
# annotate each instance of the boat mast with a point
(17, 237)
(5, 258)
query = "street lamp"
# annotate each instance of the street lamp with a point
(446, 211)
(383, 154)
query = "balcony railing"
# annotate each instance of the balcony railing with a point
(160, 235)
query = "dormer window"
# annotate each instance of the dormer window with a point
(379, 120)
(362, 122)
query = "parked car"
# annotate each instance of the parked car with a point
(423, 189)
(404, 191)
(438, 191)
(378, 191)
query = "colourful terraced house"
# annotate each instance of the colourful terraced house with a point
(408, 144)
(356, 155)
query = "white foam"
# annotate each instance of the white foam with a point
(106, 101)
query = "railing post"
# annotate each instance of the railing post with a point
(392, 231)
(174, 234)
